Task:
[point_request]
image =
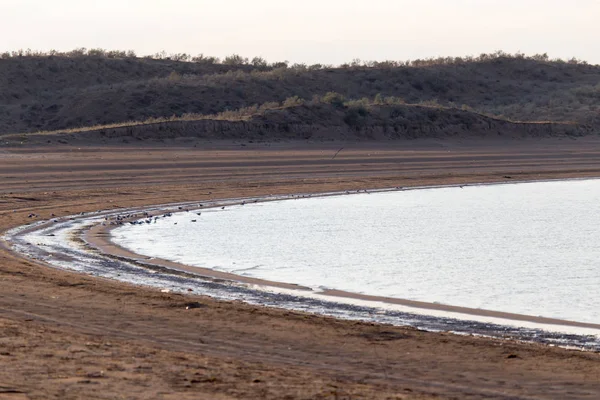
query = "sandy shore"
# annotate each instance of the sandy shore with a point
(64, 335)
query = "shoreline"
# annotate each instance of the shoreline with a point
(98, 237)
(64, 332)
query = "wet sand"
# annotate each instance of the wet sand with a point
(65, 335)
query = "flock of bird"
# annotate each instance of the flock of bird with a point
(147, 218)
(140, 219)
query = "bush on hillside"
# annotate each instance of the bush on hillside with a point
(333, 98)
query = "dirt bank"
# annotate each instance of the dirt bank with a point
(320, 122)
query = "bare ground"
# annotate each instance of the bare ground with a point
(64, 335)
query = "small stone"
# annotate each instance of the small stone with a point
(192, 305)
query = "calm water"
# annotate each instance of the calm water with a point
(531, 248)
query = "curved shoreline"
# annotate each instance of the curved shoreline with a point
(144, 339)
(98, 237)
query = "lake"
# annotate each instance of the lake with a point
(527, 248)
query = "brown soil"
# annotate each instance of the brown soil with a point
(64, 335)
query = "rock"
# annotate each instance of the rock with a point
(193, 305)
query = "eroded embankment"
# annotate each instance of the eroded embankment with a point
(322, 122)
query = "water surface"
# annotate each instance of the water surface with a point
(530, 248)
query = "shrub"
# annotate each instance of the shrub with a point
(202, 59)
(96, 53)
(259, 62)
(333, 98)
(281, 64)
(356, 116)
(174, 76)
(392, 100)
(180, 57)
(361, 103)
(235, 59)
(299, 67)
(293, 101)
(269, 105)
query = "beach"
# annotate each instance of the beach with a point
(67, 335)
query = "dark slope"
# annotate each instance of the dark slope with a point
(58, 93)
(318, 122)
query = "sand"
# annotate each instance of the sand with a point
(64, 335)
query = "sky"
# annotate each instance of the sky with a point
(308, 31)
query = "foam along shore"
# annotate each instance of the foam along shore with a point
(82, 243)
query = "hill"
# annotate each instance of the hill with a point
(323, 119)
(57, 92)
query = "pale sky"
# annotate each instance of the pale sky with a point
(310, 31)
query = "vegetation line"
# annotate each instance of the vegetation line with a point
(361, 106)
(260, 62)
